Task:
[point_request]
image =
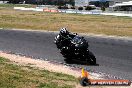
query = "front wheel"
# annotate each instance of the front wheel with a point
(91, 60)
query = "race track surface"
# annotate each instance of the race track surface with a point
(114, 56)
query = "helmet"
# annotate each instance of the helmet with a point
(63, 31)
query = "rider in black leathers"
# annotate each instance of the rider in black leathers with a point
(65, 36)
(73, 46)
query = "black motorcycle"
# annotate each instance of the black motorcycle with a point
(72, 46)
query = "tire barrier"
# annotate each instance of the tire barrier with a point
(46, 10)
(51, 10)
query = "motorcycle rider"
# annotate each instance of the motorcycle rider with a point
(65, 36)
(72, 45)
(65, 33)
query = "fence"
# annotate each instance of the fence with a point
(96, 12)
(81, 11)
(118, 13)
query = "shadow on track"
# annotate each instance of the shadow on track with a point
(78, 62)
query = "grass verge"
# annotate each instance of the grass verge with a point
(15, 76)
(97, 24)
(15, 5)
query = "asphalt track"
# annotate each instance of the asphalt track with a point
(114, 56)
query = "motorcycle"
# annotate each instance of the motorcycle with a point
(73, 46)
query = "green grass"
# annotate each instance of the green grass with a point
(14, 76)
(97, 24)
(15, 5)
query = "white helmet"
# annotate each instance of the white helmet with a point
(63, 31)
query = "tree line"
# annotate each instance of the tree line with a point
(44, 2)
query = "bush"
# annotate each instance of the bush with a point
(72, 7)
(59, 7)
(103, 8)
(80, 8)
(65, 7)
(88, 8)
(62, 7)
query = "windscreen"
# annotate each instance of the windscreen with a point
(77, 40)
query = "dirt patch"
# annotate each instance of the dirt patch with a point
(40, 64)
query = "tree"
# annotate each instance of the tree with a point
(14, 1)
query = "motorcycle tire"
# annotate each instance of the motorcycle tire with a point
(91, 59)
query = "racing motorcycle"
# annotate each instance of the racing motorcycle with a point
(73, 46)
